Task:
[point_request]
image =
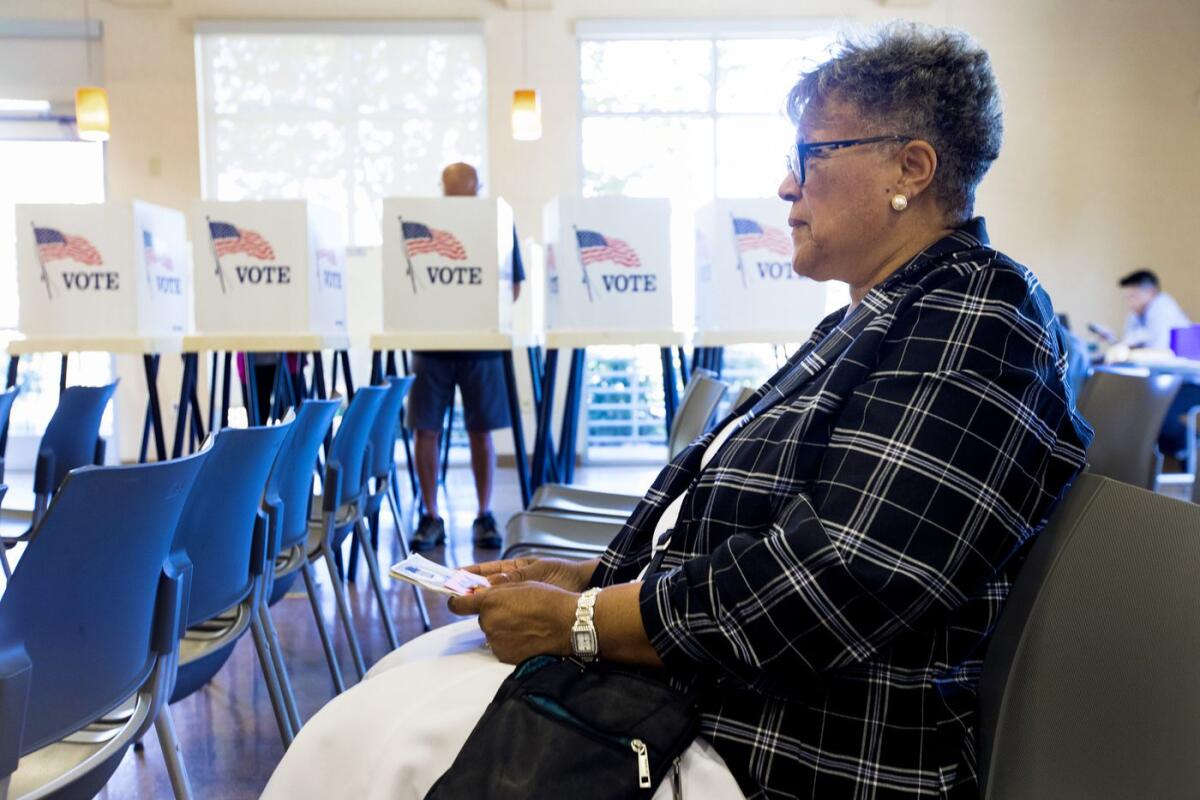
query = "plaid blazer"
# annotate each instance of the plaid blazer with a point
(837, 569)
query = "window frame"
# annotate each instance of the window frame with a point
(207, 120)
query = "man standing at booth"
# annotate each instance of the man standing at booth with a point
(480, 378)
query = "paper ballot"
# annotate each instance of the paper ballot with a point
(437, 577)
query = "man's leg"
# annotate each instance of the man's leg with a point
(483, 467)
(432, 391)
(485, 409)
(427, 468)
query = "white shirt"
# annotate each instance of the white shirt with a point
(1152, 328)
(670, 514)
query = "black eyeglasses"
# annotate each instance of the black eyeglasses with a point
(797, 157)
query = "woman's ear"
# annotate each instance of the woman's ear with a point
(918, 163)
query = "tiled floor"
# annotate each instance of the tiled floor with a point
(227, 730)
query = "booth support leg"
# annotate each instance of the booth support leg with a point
(518, 428)
(226, 373)
(570, 420)
(344, 355)
(545, 414)
(251, 394)
(150, 363)
(670, 387)
(185, 397)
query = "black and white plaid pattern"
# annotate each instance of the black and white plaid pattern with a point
(836, 571)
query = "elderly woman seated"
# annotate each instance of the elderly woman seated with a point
(826, 567)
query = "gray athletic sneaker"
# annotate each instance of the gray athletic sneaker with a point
(431, 532)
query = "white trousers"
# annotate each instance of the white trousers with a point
(391, 736)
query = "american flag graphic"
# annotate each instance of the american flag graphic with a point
(423, 239)
(328, 256)
(227, 240)
(752, 236)
(54, 245)
(152, 256)
(595, 247)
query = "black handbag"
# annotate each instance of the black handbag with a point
(560, 728)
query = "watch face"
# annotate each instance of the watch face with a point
(584, 641)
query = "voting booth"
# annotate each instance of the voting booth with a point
(608, 264)
(447, 264)
(103, 270)
(744, 277)
(268, 267)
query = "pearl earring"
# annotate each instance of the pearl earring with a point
(899, 202)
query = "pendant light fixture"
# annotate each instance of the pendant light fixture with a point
(91, 102)
(526, 105)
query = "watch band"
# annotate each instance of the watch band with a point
(584, 642)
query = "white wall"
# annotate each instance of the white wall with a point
(1097, 177)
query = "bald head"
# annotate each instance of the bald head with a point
(460, 180)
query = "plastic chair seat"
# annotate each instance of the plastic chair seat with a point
(573, 536)
(58, 764)
(205, 648)
(578, 500)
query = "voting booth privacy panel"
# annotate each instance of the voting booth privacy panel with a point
(447, 264)
(608, 264)
(268, 267)
(744, 277)
(103, 270)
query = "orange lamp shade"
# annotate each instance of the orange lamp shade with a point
(91, 114)
(526, 115)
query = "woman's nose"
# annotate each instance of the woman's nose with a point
(789, 190)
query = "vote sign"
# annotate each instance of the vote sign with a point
(744, 276)
(608, 264)
(104, 269)
(268, 266)
(447, 264)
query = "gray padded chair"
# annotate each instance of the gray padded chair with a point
(1127, 409)
(1090, 689)
(696, 409)
(579, 536)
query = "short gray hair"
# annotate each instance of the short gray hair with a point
(934, 84)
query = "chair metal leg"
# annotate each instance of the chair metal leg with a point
(416, 590)
(343, 608)
(281, 672)
(267, 663)
(360, 531)
(164, 726)
(335, 671)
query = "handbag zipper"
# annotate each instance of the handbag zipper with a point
(643, 758)
(639, 748)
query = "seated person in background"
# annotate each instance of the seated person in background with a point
(826, 567)
(1152, 312)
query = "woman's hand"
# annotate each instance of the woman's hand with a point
(570, 575)
(522, 619)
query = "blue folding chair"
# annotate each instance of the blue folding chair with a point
(222, 536)
(72, 439)
(342, 503)
(87, 630)
(288, 498)
(382, 470)
(6, 402)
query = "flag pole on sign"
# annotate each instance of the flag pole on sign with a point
(737, 249)
(147, 251)
(212, 242)
(37, 247)
(408, 267)
(582, 266)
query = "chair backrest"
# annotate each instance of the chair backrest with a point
(88, 604)
(6, 402)
(217, 529)
(351, 441)
(289, 489)
(71, 435)
(387, 421)
(1089, 686)
(700, 400)
(1126, 410)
